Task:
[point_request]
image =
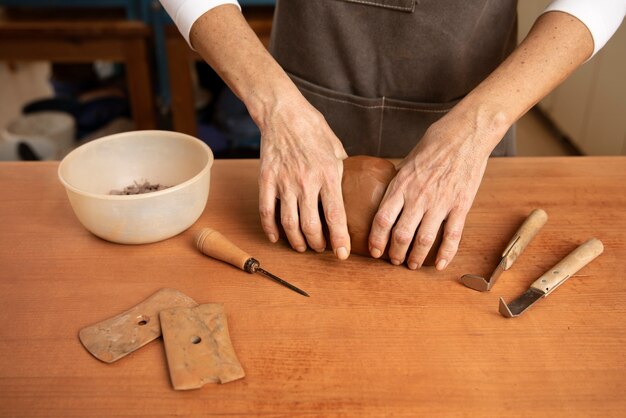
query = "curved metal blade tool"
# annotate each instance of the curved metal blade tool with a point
(553, 278)
(531, 226)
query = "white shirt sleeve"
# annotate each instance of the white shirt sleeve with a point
(602, 17)
(185, 12)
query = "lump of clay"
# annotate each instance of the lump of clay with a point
(365, 180)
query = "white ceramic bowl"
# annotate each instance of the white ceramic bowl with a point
(92, 171)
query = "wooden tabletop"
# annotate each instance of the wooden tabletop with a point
(373, 339)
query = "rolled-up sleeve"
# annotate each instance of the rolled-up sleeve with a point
(185, 12)
(602, 17)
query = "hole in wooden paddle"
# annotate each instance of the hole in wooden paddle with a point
(196, 340)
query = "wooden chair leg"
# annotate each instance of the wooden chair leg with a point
(181, 86)
(138, 77)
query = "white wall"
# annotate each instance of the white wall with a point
(589, 107)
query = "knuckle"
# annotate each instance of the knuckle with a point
(453, 235)
(425, 239)
(464, 204)
(266, 212)
(402, 236)
(266, 177)
(333, 216)
(310, 226)
(331, 178)
(289, 223)
(383, 219)
(305, 180)
(400, 183)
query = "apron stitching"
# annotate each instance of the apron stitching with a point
(419, 110)
(337, 100)
(411, 9)
(380, 130)
(375, 106)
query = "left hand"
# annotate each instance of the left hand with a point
(441, 175)
(437, 180)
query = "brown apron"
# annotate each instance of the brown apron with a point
(382, 71)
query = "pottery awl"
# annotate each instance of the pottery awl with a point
(531, 226)
(553, 278)
(214, 244)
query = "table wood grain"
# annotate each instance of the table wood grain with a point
(373, 339)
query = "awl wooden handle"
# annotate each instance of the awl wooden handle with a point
(216, 245)
(531, 226)
(567, 267)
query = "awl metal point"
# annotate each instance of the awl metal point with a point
(253, 266)
(212, 243)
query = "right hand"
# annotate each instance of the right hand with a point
(301, 162)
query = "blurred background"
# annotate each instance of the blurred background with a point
(76, 70)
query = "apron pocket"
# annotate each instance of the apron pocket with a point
(381, 127)
(401, 5)
(355, 120)
(404, 123)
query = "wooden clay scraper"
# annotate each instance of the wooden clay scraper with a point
(198, 347)
(533, 223)
(112, 339)
(553, 278)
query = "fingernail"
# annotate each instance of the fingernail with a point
(272, 238)
(413, 265)
(342, 253)
(395, 262)
(301, 249)
(441, 264)
(376, 252)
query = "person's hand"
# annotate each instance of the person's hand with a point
(438, 180)
(301, 162)
(301, 158)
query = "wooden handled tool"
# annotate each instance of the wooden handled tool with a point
(531, 226)
(212, 243)
(553, 278)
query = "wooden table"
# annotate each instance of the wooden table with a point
(373, 340)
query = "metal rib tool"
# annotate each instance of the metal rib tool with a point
(531, 226)
(553, 278)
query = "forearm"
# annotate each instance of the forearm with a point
(301, 158)
(440, 177)
(225, 40)
(557, 44)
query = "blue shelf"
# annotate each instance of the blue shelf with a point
(135, 9)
